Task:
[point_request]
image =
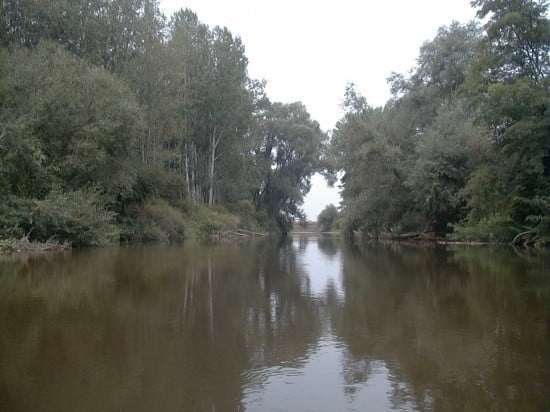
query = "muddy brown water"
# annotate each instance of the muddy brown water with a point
(307, 324)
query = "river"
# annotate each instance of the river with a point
(306, 324)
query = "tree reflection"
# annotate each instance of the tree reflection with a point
(194, 328)
(449, 325)
(327, 244)
(129, 328)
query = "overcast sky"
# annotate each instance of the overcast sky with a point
(309, 50)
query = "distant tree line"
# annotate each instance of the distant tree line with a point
(117, 122)
(463, 146)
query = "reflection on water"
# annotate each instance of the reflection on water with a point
(322, 263)
(304, 324)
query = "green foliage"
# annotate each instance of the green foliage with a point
(65, 123)
(464, 143)
(517, 41)
(374, 196)
(249, 217)
(156, 221)
(107, 33)
(497, 228)
(288, 155)
(446, 154)
(162, 118)
(204, 222)
(444, 62)
(15, 217)
(540, 225)
(154, 182)
(107, 94)
(210, 89)
(327, 218)
(508, 87)
(76, 216)
(402, 163)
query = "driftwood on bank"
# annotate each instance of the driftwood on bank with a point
(429, 237)
(527, 238)
(238, 233)
(23, 245)
(250, 233)
(424, 236)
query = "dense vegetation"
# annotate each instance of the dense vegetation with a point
(328, 219)
(118, 123)
(463, 146)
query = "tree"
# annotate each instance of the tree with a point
(212, 104)
(371, 153)
(65, 123)
(406, 164)
(104, 95)
(104, 32)
(508, 88)
(327, 218)
(231, 102)
(288, 156)
(517, 44)
(446, 154)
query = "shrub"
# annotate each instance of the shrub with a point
(249, 218)
(156, 182)
(155, 221)
(327, 217)
(76, 216)
(15, 217)
(168, 218)
(205, 221)
(497, 228)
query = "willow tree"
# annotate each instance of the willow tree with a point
(287, 157)
(509, 89)
(406, 164)
(65, 123)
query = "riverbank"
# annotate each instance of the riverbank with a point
(521, 240)
(154, 221)
(23, 245)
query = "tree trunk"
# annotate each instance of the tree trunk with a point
(186, 165)
(193, 175)
(211, 174)
(214, 140)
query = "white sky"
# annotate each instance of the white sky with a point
(309, 50)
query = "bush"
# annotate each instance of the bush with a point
(154, 222)
(76, 216)
(540, 226)
(249, 217)
(15, 217)
(168, 218)
(155, 182)
(497, 228)
(204, 222)
(66, 121)
(327, 217)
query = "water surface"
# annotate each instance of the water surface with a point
(307, 324)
